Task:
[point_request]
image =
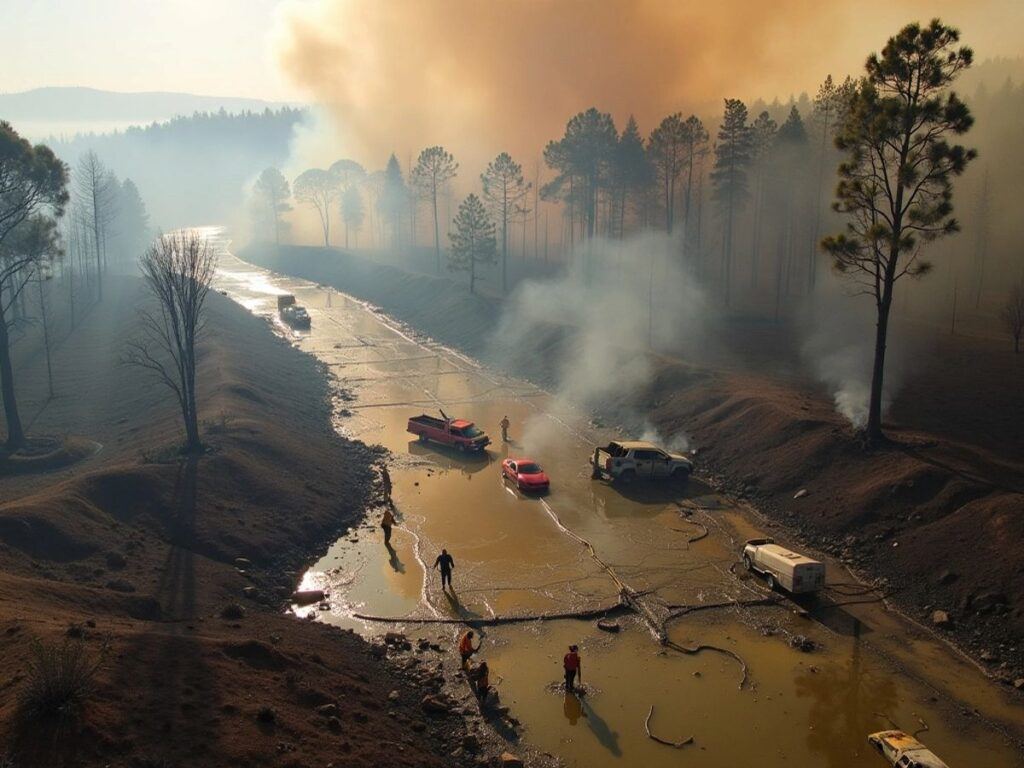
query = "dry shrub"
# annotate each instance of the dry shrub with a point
(59, 680)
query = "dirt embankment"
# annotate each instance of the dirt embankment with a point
(936, 515)
(180, 566)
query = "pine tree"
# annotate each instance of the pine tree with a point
(631, 171)
(393, 199)
(434, 168)
(762, 137)
(731, 186)
(790, 159)
(503, 189)
(896, 184)
(667, 151)
(350, 176)
(472, 238)
(696, 148)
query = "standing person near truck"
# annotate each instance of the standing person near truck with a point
(387, 522)
(446, 563)
(573, 667)
(505, 424)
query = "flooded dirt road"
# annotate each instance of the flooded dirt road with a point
(514, 555)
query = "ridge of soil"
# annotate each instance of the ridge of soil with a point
(934, 516)
(135, 549)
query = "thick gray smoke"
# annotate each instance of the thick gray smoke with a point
(617, 301)
(839, 347)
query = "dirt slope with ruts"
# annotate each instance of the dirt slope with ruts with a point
(134, 551)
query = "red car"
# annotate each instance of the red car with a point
(525, 473)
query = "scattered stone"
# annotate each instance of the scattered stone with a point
(378, 650)
(436, 704)
(947, 577)
(327, 710)
(242, 562)
(233, 612)
(393, 696)
(988, 657)
(802, 643)
(1019, 683)
(800, 494)
(941, 619)
(307, 596)
(608, 625)
(470, 742)
(508, 760)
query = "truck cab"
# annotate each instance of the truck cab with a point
(639, 460)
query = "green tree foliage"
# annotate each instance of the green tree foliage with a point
(32, 181)
(583, 159)
(696, 148)
(762, 137)
(473, 239)
(667, 151)
(504, 189)
(631, 173)
(435, 167)
(350, 176)
(731, 185)
(394, 199)
(896, 184)
(789, 172)
(272, 195)
(352, 212)
(318, 189)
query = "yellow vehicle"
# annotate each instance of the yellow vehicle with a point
(904, 751)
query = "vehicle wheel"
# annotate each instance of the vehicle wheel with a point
(461, 448)
(628, 476)
(771, 582)
(747, 564)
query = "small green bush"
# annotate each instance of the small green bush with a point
(59, 680)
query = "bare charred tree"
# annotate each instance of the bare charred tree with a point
(896, 185)
(503, 189)
(1012, 314)
(96, 192)
(178, 269)
(435, 167)
(318, 189)
(32, 182)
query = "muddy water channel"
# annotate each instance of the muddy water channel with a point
(516, 556)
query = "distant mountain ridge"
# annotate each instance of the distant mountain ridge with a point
(80, 104)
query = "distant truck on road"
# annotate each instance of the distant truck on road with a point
(291, 313)
(638, 460)
(795, 573)
(460, 434)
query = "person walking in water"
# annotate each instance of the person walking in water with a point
(505, 424)
(466, 649)
(386, 522)
(445, 562)
(573, 667)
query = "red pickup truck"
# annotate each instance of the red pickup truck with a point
(459, 433)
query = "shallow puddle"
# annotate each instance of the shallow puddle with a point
(514, 557)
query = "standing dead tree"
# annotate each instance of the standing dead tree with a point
(178, 269)
(1012, 313)
(96, 197)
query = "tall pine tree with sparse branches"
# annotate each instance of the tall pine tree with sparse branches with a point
(732, 159)
(896, 185)
(435, 167)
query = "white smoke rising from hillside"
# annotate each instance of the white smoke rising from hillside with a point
(618, 300)
(839, 349)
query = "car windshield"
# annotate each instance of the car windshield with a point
(471, 431)
(529, 468)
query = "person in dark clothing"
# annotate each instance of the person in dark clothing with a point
(386, 522)
(447, 565)
(482, 678)
(573, 667)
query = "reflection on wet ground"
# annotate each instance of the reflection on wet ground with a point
(513, 557)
